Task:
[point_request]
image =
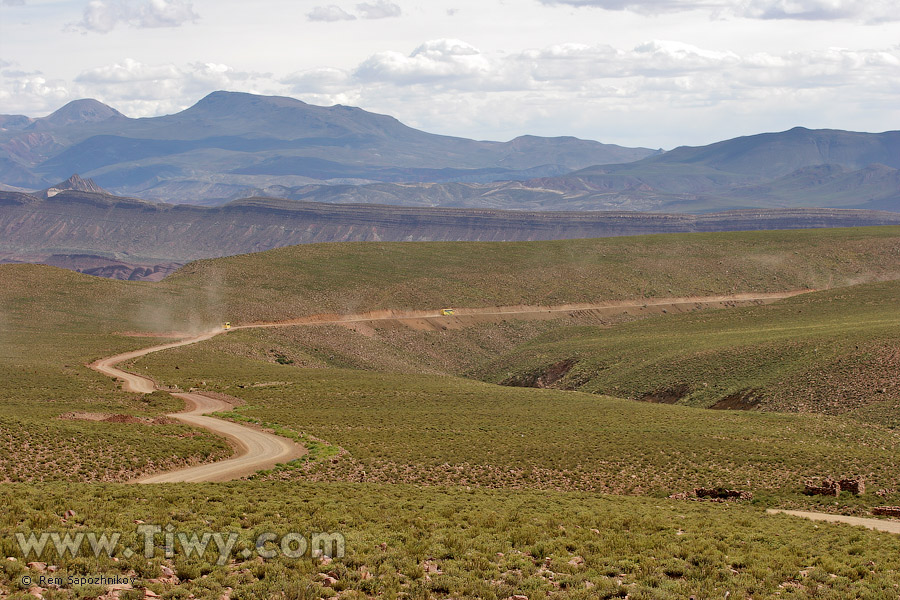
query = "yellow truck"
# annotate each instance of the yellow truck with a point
(447, 312)
(226, 325)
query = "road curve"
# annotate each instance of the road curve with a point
(876, 524)
(256, 450)
(137, 383)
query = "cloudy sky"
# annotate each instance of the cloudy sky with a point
(657, 73)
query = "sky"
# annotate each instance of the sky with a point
(653, 73)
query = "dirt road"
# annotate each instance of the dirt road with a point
(137, 383)
(256, 450)
(876, 524)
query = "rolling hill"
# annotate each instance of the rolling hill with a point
(444, 486)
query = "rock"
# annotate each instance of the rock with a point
(518, 597)
(69, 514)
(36, 592)
(576, 561)
(329, 581)
(150, 594)
(37, 566)
(166, 571)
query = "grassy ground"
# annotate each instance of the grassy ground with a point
(835, 352)
(53, 322)
(418, 543)
(547, 453)
(355, 277)
(445, 430)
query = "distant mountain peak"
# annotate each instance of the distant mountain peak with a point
(76, 183)
(86, 110)
(225, 102)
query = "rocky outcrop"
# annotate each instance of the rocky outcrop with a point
(73, 183)
(832, 487)
(718, 494)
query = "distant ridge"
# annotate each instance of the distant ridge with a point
(124, 231)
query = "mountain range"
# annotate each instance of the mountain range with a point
(234, 145)
(229, 145)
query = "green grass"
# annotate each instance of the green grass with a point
(459, 543)
(354, 277)
(430, 429)
(53, 322)
(835, 352)
(443, 441)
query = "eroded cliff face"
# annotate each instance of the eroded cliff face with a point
(131, 239)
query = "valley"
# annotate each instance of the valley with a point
(395, 404)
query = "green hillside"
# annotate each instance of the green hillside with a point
(406, 542)
(349, 278)
(426, 429)
(836, 352)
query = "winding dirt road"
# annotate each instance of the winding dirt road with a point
(256, 450)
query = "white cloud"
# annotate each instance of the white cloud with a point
(656, 93)
(329, 13)
(30, 94)
(640, 6)
(13, 3)
(318, 81)
(102, 16)
(682, 89)
(438, 61)
(867, 11)
(870, 11)
(380, 9)
(139, 89)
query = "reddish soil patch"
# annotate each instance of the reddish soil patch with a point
(115, 418)
(545, 378)
(122, 419)
(745, 400)
(669, 395)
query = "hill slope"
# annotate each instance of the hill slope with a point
(834, 351)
